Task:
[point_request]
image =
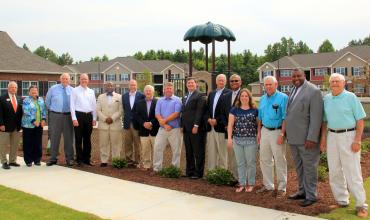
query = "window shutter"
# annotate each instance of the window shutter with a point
(352, 71)
(345, 71)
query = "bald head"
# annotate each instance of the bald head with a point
(133, 85)
(84, 80)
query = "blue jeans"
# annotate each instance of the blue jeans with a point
(245, 154)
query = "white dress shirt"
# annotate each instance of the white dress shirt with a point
(83, 100)
(215, 100)
(132, 99)
(233, 96)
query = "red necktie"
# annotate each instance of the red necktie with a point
(14, 103)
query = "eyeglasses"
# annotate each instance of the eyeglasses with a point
(234, 81)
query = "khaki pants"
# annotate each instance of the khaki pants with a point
(147, 145)
(163, 138)
(110, 141)
(345, 169)
(131, 144)
(273, 154)
(216, 150)
(11, 139)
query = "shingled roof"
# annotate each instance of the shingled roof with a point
(14, 59)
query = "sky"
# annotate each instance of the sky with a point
(89, 28)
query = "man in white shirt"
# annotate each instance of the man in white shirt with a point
(83, 112)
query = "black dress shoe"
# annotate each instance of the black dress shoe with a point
(37, 163)
(14, 164)
(307, 202)
(50, 163)
(80, 164)
(89, 164)
(69, 163)
(29, 164)
(6, 166)
(103, 165)
(194, 177)
(297, 196)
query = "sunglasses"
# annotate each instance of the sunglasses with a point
(234, 81)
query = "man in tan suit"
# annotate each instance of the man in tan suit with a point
(109, 110)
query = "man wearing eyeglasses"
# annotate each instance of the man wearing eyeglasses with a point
(229, 100)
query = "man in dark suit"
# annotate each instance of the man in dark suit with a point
(302, 123)
(130, 126)
(193, 125)
(229, 99)
(144, 115)
(216, 142)
(10, 125)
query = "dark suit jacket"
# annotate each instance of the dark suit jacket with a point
(128, 115)
(141, 116)
(193, 112)
(226, 99)
(9, 118)
(221, 123)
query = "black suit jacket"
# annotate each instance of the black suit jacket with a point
(193, 112)
(9, 118)
(227, 98)
(141, 116)
(221, 123)
(128, 115)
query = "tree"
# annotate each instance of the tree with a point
(47, 54)
(286, 47)
(40, 51)
(325, 47)
(359, 42)
(139, 55)
(105, 58)
(65, 59)
(144, 79)
(25, 47)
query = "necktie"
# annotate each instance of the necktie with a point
(14, 103)
(292, 96)
(188, 98)
(65, 101)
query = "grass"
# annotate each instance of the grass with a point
(17, 205)
(348, 213)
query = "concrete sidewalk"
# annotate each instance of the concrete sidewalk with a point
(112, 198)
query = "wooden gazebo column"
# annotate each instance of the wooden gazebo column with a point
(206, 57)
(190, 59)
(228, 58)
(213, 56)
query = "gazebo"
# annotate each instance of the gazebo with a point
(207, 33)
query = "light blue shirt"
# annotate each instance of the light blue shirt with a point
(342, 111)
(215, 100)
(58, 98)
(271, 111)
(166, 106)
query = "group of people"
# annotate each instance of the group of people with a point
(227, 125)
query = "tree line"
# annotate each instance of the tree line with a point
(244, 63)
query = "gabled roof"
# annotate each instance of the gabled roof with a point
(18, 60)
(321, 59)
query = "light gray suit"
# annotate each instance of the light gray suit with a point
(303, 121)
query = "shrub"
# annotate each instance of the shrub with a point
(220, 176)
(119, 163)
(170, 172)
(324, 159)
(365, 146)
(322, 173)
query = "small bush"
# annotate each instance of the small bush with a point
(365, 146)
(220, 176)
(170, 172)
(322, 173)
(119, 163)
(324, 159)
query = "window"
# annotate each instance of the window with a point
(110, 77)
(321, 72)
(97, 91)
(267, 73)
(3, 87)
(285, 73)
(357, 71)
(321, 87)
(123, 90)
(340, 70)
(125, 77)
(95, 76)
(359, 88)
(286, 88)
(26, 85)
(140, 76)
(51, 83)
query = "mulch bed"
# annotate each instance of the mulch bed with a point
(202, 187)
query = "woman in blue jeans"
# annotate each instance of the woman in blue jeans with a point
(242, 133)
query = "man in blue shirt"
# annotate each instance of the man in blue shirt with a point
(341, 132)
(60, 121)
(271, 114)
(167, 112)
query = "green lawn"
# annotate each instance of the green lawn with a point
(17, 205)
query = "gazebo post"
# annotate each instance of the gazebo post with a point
(206, 57)
(228, 59)
(190, 59)
(213, 56)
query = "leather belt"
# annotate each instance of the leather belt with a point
(61, 113)
(272, 129)
(84, 113)
(342, 130)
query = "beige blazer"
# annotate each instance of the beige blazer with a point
(114, 110)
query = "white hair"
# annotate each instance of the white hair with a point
(221, 75)
(336, 75)
(12, 83)
(272, 78)
(150, 87)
